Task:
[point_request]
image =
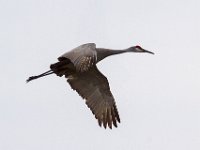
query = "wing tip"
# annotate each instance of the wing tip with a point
(108, 122)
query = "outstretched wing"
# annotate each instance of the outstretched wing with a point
(93, 86)
(83, 57)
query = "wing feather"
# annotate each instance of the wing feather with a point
(93, 86)
(83, 57)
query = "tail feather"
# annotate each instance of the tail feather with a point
(60, 67)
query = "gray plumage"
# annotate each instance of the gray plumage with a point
(79, 67)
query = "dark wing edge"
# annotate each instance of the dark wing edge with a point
(93, 86)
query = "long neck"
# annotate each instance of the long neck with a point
(103, 53)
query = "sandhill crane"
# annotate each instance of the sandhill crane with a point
(79, 67)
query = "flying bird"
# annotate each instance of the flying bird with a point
(79, 67)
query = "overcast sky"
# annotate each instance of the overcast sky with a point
(158, 96)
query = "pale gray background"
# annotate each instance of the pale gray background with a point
(158, 96)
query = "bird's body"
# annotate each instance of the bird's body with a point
(79, 67)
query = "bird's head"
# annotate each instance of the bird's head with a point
(139, 49)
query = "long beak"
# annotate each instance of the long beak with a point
(146, 51)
